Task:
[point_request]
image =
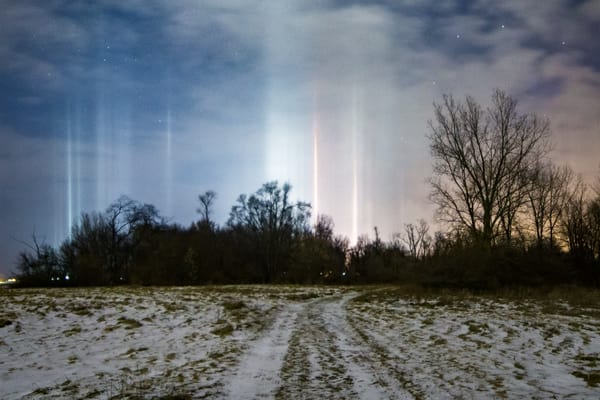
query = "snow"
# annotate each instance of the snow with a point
(247, 342)
(481, 348)
(257, 374)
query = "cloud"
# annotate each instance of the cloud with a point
(241, 85)
(31, 33)
(590, 10)
(574, 114)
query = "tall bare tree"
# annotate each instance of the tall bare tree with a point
(548, 195)
(480, 160)
(596, 185)
(40, 264)
(575, 224)
(273, 222)
(324, 227)
(593, 213)
(417, 238)
(206, 203)
(581, 222)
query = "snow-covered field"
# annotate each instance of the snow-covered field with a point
(288, 342)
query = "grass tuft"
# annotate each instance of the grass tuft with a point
(5, 322)
(591, 378)
(41, 391)
(232, 305)
(129, 323)
(224, 330)
(74, 330)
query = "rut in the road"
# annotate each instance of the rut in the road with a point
(313, 352)
(313, 365)
(257, 375)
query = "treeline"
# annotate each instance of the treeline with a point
(268, 238)
(512, 218)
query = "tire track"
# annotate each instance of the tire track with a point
(326, 358)
(314, 351)
(375, 378)
(257, 375)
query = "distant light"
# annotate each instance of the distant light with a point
(344, 273)
(52, 278)
(502, 26)
(67, 277)
(458, 36)
(11, 280)
(563, 43)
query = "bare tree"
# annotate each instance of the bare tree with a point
(122, 219)
(574, 221)
(206, 202)
(417, 238)
(40, 264)
(324, 227)
(548, 195)
(596, 185)
(480, 160)
(593, 214)
(273, 221)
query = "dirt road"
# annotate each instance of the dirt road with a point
(313, 351)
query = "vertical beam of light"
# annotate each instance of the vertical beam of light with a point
(168, 162)
(78, 173)
(100, 145)
(69, 172)
(288, 142)
(101, 125)
(354, 237)
(316, 170)
(315, 134)
(58, 194)
(79, 169)
(124, 169)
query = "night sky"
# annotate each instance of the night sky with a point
(162, 100)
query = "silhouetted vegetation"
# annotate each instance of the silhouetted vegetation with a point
(512, 217)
